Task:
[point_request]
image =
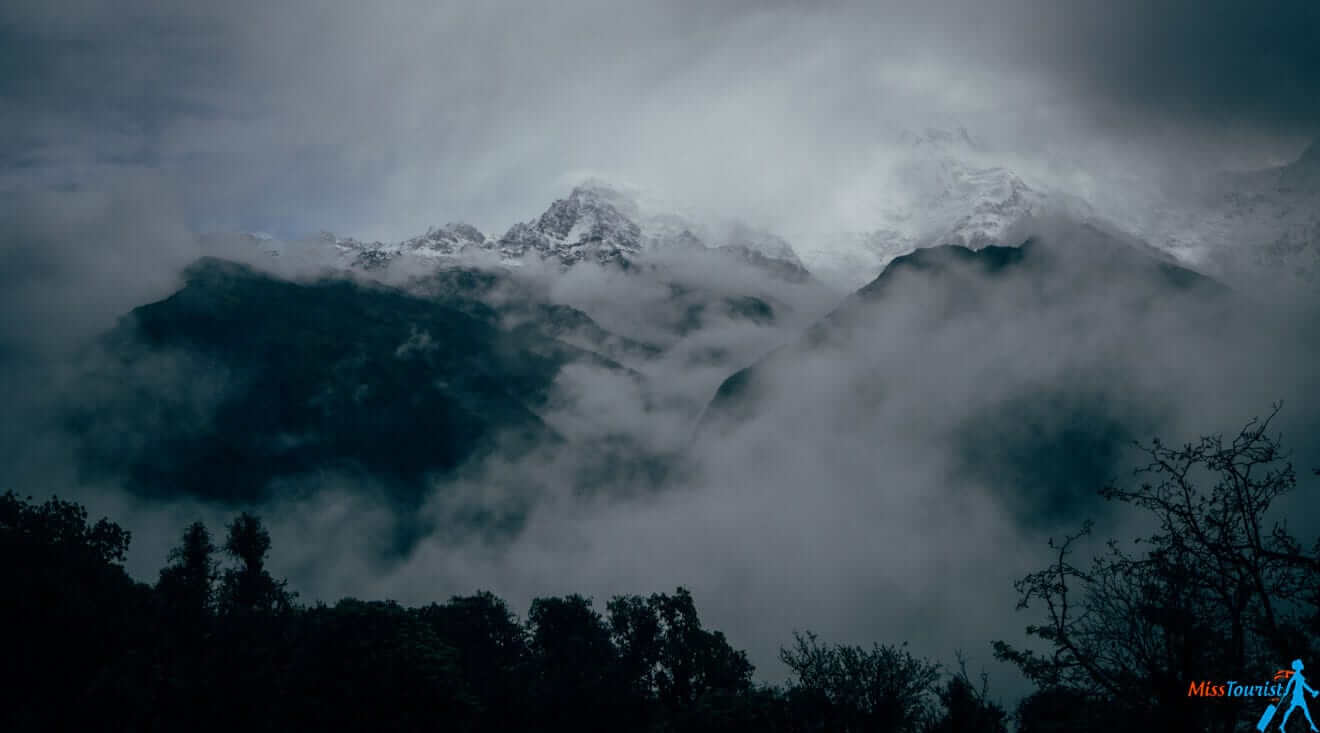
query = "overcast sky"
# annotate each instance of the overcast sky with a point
(379, 119)
(127, 126)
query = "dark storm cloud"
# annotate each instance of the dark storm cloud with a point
(1243, 67)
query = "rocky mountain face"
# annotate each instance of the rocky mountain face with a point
(591, 224)
(451, 240)
(594, 223)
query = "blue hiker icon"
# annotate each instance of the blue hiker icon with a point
(1297, 687)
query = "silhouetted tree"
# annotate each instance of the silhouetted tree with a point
(249, 588)
(1218, 593)
(73, 625)
(185, 594)
(573, 684)
(635, 630)
(371, 667)
(850, 688)
(192, 654)
(492, 652)
(251, 644)
(666, 657)
(693, 662)
(967, 708)
(1066, 710)
(187, 585)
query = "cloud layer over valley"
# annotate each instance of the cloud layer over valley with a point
(702, 398)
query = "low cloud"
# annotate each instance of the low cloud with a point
(852, 503)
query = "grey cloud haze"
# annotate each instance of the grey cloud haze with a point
(380, 120)
(128, 128)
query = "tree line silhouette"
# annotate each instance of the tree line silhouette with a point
(1213, 593)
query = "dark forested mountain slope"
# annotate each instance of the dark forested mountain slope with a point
(240, 378)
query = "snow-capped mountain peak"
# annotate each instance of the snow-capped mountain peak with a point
(600, 223)
(590, 224)
(595, 223)
(937, 187)
(452, 238)
(985, 205)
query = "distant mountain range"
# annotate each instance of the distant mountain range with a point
(594, 223)
(941, 188)
(612, 334)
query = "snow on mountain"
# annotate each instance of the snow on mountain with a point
(594, 223)
(928, 188)
(939, 188)
(988, 206)
(451, 240)
(606, 225)
(1259, 228)
(591, 224)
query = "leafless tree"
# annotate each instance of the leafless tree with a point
(1219, 590)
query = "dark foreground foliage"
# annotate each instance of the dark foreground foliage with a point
(1219, 590)
(229, 648)
(1215, 593)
